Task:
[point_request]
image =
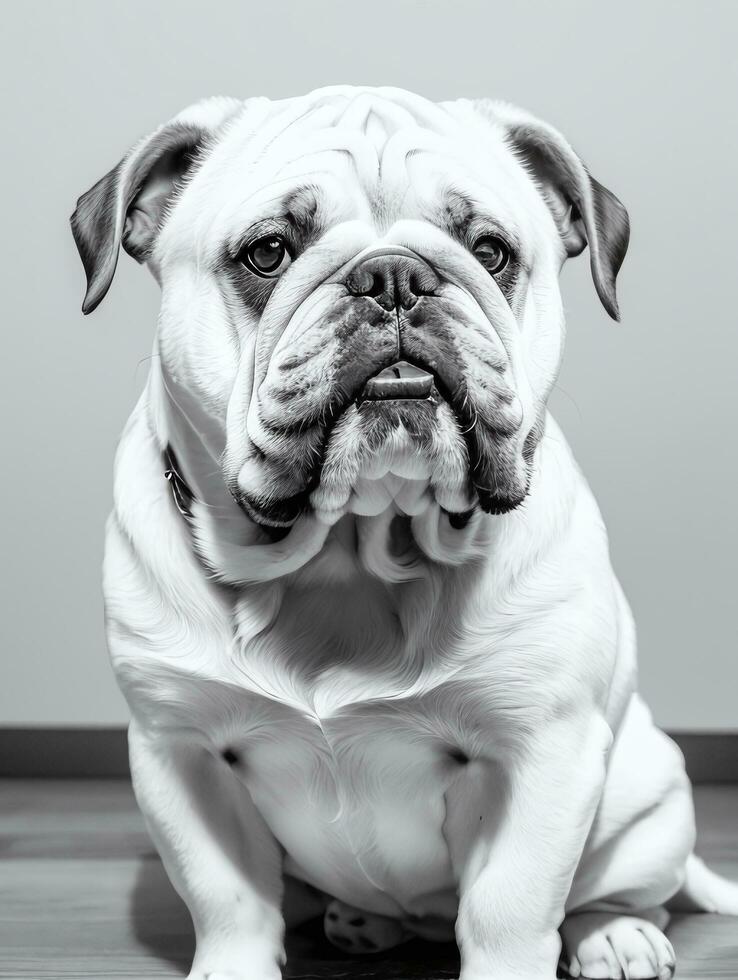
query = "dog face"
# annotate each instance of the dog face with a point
(360, 289)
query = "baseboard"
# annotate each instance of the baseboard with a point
(102, 753)
(64, 753)
(710, 757)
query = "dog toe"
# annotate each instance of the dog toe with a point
(356, 931)
(601, 946)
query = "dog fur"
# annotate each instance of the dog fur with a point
(343, 701)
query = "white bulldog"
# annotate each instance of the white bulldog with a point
(358, 593)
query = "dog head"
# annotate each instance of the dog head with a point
(360, 291)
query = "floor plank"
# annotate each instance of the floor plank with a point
(83, 894)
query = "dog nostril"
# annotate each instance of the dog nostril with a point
(422, 283)
(377, 286)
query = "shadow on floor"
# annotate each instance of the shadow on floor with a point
(161, 924)
(159, 918)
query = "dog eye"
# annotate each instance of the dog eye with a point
(492, 252)
(268, 257)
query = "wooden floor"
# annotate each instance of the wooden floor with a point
(82, 894)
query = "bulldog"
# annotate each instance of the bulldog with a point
(358, 594)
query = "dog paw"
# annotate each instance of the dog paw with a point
(355, 931)
(220, 975)
(227, 975)
(215, 976)
(209, 975)
(243, 966)
(603, 946)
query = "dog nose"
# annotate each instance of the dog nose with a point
(394, 281)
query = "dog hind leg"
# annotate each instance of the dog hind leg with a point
(355, 931)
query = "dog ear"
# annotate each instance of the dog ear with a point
(128, 205)
(585, 212)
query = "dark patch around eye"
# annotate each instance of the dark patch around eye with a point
(297, 219)
(301, 210)
(466, 224)
(459, 214)
(247, 289)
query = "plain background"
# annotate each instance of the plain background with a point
(645, 91)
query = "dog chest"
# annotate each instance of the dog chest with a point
(358, 799)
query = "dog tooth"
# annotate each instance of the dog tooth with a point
(413, 506)
(410, 494)
(411, 466)
(393, 484)
(370, 498)
(375, 466)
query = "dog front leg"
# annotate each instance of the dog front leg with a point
(515, 843)
(218, 852)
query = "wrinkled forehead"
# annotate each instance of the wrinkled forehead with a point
(366, 155)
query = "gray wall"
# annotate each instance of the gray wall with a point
(645, 91)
